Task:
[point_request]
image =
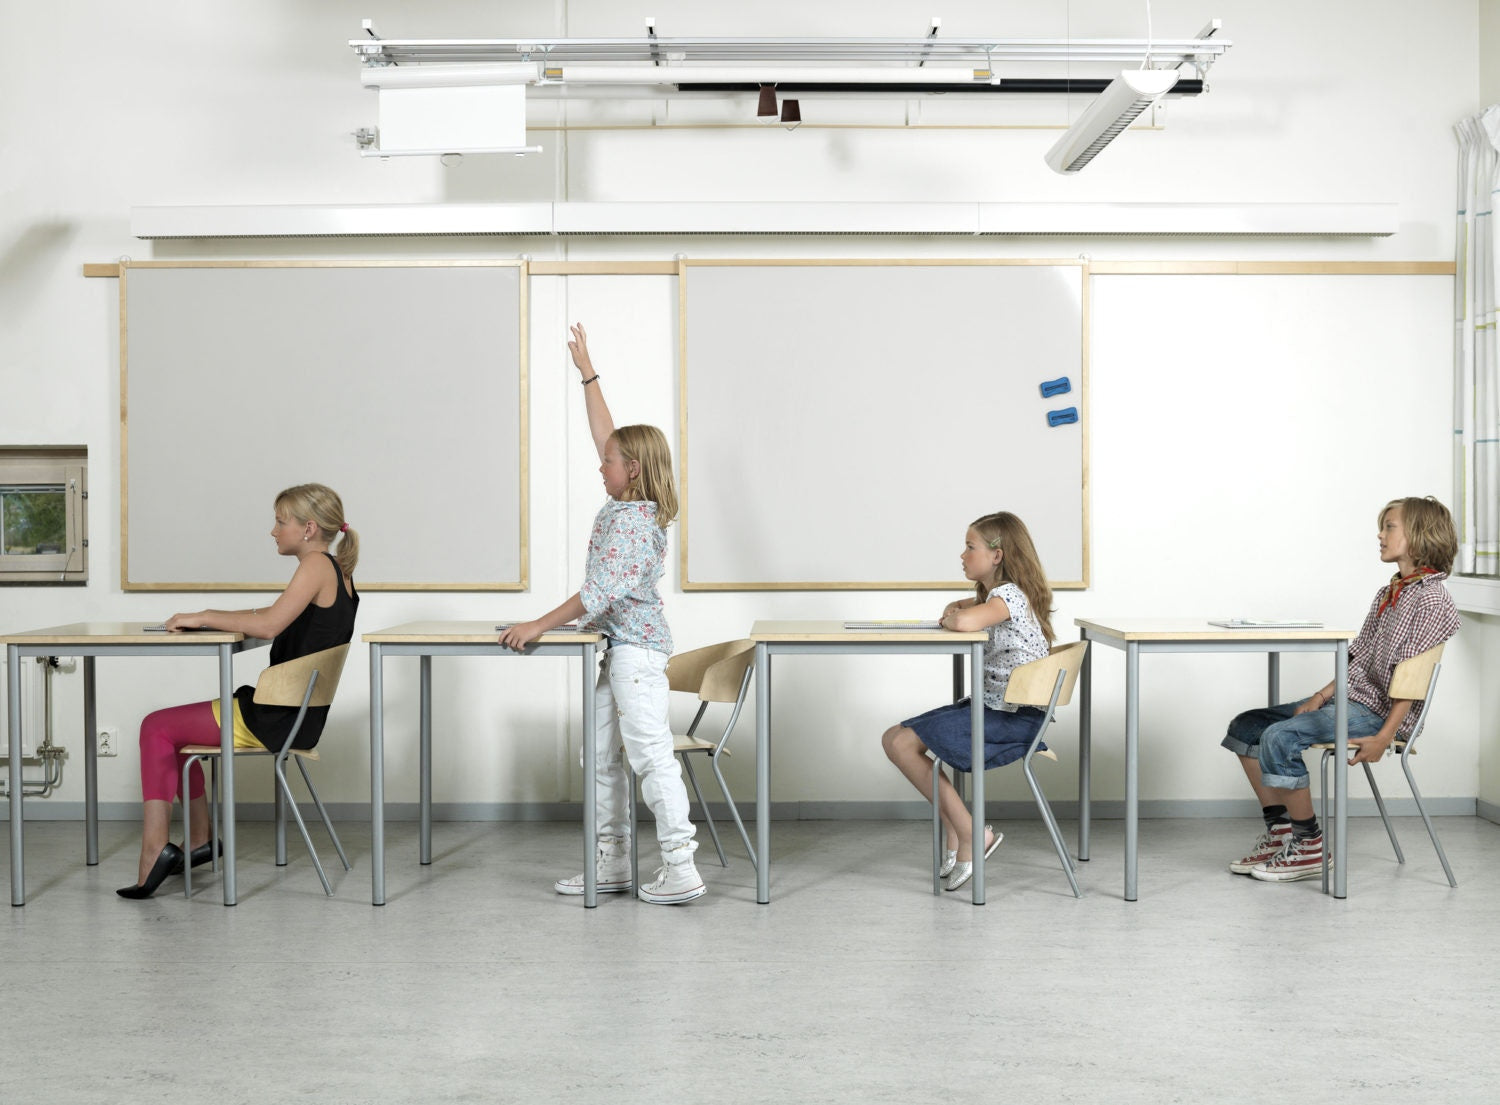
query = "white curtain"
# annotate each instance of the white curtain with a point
(1476, 352)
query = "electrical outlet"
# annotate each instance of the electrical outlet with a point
(109, 741)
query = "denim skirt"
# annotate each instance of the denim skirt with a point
(946, 733)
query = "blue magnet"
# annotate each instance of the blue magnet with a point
(1062, 417)
(1059, 386)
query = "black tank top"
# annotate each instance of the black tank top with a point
(313, 630)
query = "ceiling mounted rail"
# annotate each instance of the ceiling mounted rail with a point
(470, 95)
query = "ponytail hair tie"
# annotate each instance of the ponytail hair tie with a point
(344, 528)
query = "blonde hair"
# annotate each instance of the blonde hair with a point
(647, 446)
(1431, 538)
(321, 505)
(1019, 564)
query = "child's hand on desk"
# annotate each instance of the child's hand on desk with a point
(1368, 750)
(178, 622)
(520, 635)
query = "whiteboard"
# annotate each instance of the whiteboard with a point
(400, 385)
(844, 421)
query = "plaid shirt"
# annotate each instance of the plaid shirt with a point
(1424, 617)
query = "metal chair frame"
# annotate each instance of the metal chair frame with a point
(1405, 749)
(284, 796)
(1061, 694)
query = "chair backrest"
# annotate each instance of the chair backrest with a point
(1031, 684)
(1412, 677)
(285, 684)
(715, 673)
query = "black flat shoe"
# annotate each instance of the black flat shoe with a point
(170, 856)
(202, 854)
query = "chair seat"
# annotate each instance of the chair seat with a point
(1047, 753)
(1327, 746)
(215, 750)
(682, 743)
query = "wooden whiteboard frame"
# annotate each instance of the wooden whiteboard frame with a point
(523, 424)
(1079, 399)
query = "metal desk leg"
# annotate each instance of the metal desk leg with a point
(762, 773)
(226, 749)
(976, 729)
(590, 783)
(1341, 772)
(1085, 749)
(1132, 765)
(377, 780)
(90, 766)
(13, 724)
(1273, 678)
(424, 847)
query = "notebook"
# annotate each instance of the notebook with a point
(1267, 623)
(893, 623)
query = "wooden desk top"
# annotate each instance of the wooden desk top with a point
(835, 633)
(118, 633)
(469, 633)
(1199, 629)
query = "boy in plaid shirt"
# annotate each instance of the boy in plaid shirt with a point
(1409, 615)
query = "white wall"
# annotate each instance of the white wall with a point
(1268, 502)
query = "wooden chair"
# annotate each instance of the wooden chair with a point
(1416, 679)
(1046, 684)
(715, 673)
(305, 682)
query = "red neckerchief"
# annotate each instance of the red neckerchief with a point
(1398, 581)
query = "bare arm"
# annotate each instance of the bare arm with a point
(601, 424)
(967, 616)
(309, 580)
(522, 634)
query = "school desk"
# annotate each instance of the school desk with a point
(790, 638)
(1138, 636)
(425, 640)
(91, 640)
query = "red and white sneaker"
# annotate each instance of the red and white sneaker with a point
(1300, 859)
(1270, 842)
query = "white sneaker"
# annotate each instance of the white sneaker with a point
(673, 884)
(611, 874)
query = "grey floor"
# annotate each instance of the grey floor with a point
(477, 983)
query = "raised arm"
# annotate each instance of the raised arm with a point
(601, 424)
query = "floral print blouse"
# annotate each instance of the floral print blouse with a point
(627, 554)
(1017, 640)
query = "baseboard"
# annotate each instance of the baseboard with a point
(1109, 809)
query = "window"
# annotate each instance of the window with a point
(43, 518)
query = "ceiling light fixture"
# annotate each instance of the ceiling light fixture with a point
(1129, 94)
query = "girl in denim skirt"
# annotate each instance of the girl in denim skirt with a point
(1013, 602)
(626, 557)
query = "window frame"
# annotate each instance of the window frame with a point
(24, 467)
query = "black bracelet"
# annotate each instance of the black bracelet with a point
(591, 379)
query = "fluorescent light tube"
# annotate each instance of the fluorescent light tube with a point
(1129, 94)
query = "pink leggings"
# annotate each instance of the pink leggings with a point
(163, 734)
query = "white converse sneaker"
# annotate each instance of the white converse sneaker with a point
(611, 873)
(673, 884)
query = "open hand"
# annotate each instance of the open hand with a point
(579, 348)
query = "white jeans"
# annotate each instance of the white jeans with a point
(630, 709)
